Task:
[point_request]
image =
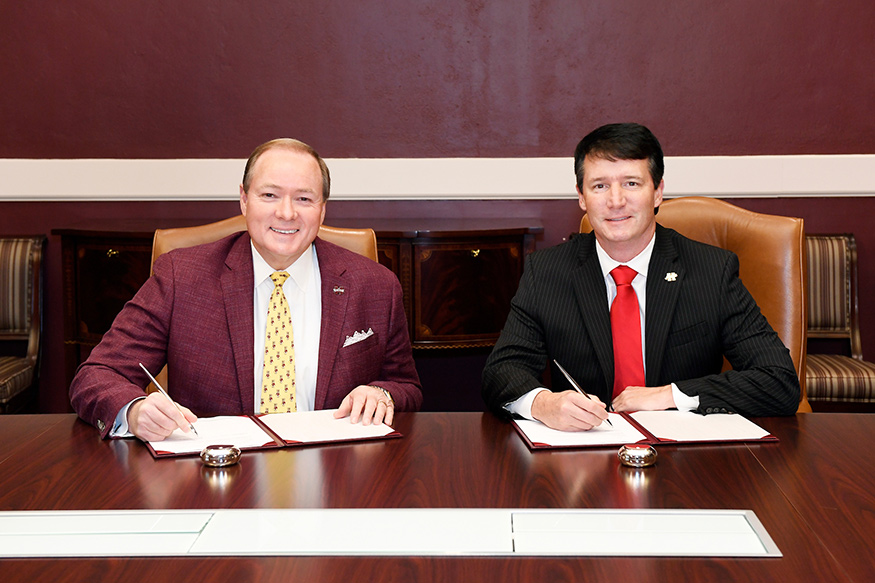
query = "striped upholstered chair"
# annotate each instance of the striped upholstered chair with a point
(844, 380)
(20, 299)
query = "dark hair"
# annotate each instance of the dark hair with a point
(288, 144)
(620, 141)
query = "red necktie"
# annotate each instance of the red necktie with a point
(626, 330)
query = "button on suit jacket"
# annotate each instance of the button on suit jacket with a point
(196, 315)
(698, 311)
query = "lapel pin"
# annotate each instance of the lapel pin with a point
(671, 276)
(339, 289)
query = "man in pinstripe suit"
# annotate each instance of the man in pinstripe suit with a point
(694, 309)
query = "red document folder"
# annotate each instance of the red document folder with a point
(648, 427)
(253, 432)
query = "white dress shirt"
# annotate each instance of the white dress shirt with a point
(523, 405)
(303, 290)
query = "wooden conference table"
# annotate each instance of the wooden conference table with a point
(814, 492)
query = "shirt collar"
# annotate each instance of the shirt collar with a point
(301, 271)
(639, 263)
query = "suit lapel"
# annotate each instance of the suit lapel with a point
(238, 288)
(665, 276)
(335, 294)
(589, 283)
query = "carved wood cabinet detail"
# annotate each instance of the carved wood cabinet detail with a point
(458, 275)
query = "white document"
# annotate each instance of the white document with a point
(689, 426)
(621, 433)
(320, 426)
(241, 432)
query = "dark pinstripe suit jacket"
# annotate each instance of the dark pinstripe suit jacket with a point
(196, 315)
(560, 311)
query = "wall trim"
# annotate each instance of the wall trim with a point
(114, 180)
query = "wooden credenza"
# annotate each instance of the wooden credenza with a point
(458, 276)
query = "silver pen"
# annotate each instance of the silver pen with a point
(163, 392)
(577, 387)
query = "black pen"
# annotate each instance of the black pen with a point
(577, 387)
(163, 392)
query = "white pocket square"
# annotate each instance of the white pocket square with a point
(358, 337)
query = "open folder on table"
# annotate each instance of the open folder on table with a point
(650, 427)
(268, 431)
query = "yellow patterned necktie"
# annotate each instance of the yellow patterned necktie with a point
(278, 378)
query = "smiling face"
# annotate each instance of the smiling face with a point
(284, 205)
(619, 198)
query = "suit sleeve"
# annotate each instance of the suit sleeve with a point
(763, 380)
(398, 372)
(519, 358)
(111, 376)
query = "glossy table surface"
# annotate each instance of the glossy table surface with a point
(814, 492)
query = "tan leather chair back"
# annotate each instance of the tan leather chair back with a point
(772, 255)
(361, 241)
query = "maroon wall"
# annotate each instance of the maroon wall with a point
(432, 78)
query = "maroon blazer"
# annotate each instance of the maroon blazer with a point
(195, 314)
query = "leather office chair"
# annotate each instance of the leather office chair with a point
(771, 252)
(20, 320)
(361, 241)
(836, 381)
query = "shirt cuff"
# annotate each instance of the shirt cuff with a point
(523, 405)
(683, 401)
(120, 427)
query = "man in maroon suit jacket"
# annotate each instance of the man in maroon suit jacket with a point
(196, 314)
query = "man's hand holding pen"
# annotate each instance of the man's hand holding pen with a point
(568, 413)
(155, 417)
(568, 410)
